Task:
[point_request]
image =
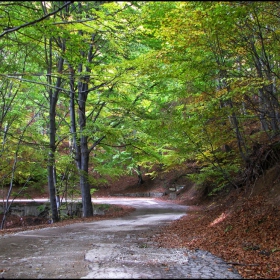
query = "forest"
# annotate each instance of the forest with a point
(98, 89)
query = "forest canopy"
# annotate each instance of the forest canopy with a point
(91, 89)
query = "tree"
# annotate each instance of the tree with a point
(95, 76)
(121, 86)
(28, 30)
(211, 49)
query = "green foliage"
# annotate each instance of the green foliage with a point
(92, 191)
(103, 207)
(152, 83)
(42, 207)
(215, 178)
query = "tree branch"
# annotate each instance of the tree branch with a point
(35, 21)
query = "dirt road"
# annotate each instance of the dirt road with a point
(117, 249)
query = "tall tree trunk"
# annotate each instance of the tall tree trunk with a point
(83, 151)
(268, 102)
(53, 98)
(232, 118)
(264, 65)
(51, 159)
(223, 84)
(80, 145)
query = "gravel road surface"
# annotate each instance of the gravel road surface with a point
(108, 249)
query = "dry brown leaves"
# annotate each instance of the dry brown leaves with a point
(245, 235)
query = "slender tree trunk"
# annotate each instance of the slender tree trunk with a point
(53, 98)
(51, 165)
(223, 84)
(268, 102)
(233, 120)
(7, 205)
(80, 145)
(264, 64)
(83, 151)
(240, 140)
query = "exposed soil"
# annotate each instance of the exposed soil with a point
(240, 226)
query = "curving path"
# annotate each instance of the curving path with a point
(109, 249)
